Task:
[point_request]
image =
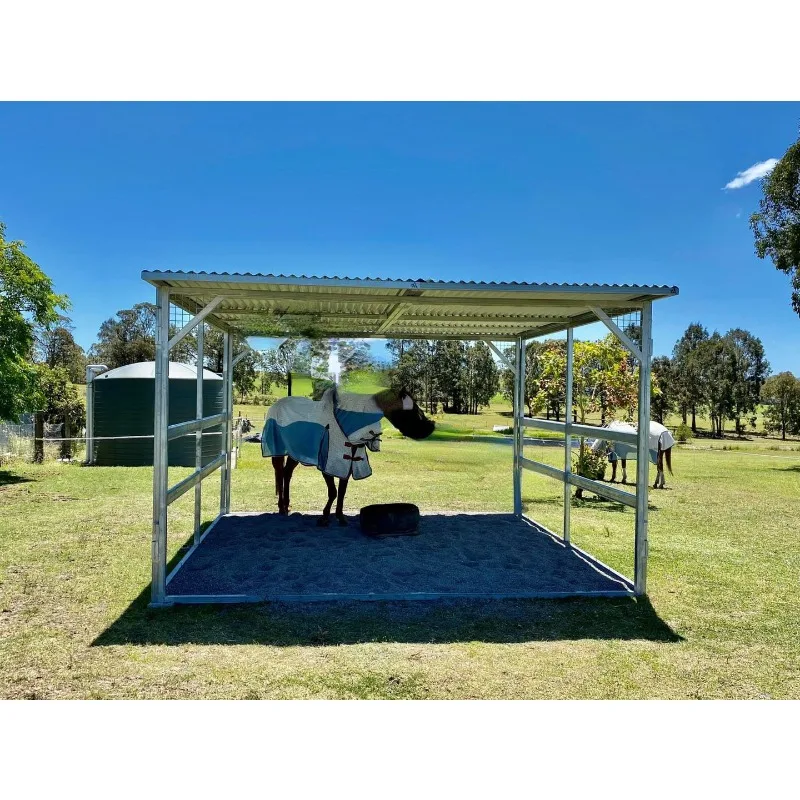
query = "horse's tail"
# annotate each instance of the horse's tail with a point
(668, 459)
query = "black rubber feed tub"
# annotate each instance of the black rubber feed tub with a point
(390, 519)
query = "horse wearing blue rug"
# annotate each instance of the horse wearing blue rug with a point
(334, 434)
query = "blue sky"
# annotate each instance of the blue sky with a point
(538, 192)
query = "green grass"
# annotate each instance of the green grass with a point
(720, 621)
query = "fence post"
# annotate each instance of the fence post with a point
(38, 437)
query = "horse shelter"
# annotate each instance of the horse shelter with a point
(497, 313)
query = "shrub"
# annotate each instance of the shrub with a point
(683, 433)
(589, 464)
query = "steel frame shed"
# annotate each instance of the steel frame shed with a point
(281, 305)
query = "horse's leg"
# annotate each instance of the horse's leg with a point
(287, 480)
(624, 470)
(277, 465)
(325, 519)
(660, 480)
(340, 501)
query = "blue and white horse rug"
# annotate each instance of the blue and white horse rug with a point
(334, 434)
(660, 446)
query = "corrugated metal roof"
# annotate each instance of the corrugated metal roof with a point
(308, 305)
(179, 274)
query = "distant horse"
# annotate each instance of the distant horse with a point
(334, 434)
(660, 446)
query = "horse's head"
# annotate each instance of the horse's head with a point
(408, 418)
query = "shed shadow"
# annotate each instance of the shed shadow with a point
(413, 622)
(9, 478)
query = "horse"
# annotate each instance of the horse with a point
(334, 435)
(660, 446)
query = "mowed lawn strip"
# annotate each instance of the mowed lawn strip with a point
(721, 619)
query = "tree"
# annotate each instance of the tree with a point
(288, 358)
(482, 378)
(533, 373)
(128, 339)
(750, 369)
(550, 367)
(398, 347)
(131, 338)
(687, 371)
(781, 395)
(61, 401)
(415, 372)
(602, 377)
(56, 347)
(447, 367)
(245, 372)
(27, 299)
(716, 361)
(664, 396)
(353, 355)
(776, 227)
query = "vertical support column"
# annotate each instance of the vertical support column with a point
(229, 427)
(89, 416)
(198, 444)
(643, 452)
(568, 436)
(160, 448)
(519, 429)
(226, 425)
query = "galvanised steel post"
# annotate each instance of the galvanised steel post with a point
(160, 448)
(226, 410)
(519, 416)
(229, 427)
(198, 443)
(643, 452)
(568, 436)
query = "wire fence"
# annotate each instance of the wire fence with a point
(18, 441)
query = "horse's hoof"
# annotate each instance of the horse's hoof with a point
(323, 522)
(342, 522)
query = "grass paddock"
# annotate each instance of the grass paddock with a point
(720, 620)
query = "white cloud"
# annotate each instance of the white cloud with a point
(752, 174)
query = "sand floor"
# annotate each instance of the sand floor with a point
(267, 556)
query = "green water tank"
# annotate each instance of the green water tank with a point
(124, 405)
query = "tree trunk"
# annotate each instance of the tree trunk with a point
(694, 420)
(683, 414)
(38, 437)
(66, 446)
(289, 383)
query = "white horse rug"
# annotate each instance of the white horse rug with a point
(659, 435)
(332, 434)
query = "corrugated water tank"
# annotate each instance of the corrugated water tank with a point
(124, 405)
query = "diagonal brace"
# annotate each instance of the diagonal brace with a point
(394, 315)
(618, 332)
(194, 322)
(501, 355)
